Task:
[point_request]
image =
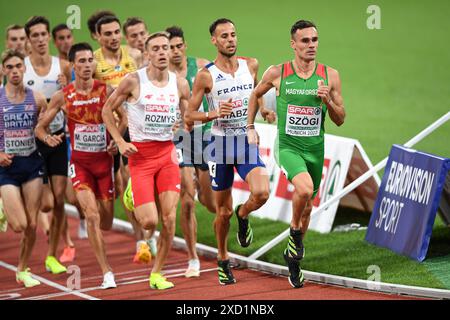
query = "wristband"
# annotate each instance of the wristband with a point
(250, 126)
(46, 137)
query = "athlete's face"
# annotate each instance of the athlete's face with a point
(16, 40)
(305, 43)
(84, 64)
(158, 50)
(177, 50)
(110, 36)
(63, 41)
(39, 38)
(225, 39)
(136, 36)
(14, 68)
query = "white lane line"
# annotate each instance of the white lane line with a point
(49, 283)
(119, 283)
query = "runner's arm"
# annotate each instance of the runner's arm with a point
(335, 104)
(137, 57)
(184, 94)
(114, 103)
(270, 79)
(54, 106)
(203, 84)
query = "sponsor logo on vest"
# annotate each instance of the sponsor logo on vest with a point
(157, 108)
(220, 78)
(78, 103)
(30, 83)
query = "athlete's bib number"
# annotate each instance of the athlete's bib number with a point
(159, 119)
(212, 168)
(303, 121)
(20, 142)
(237, 120)
(180, 156)
(58, 122)
(90, 137)
(72, 173)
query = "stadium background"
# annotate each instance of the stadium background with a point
(395, 83)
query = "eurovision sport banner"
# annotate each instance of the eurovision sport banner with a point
(345, 160)
(406, 206)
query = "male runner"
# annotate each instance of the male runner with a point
(48, 74)
(20, 163)
(16, 39)
(93, 19)
(153, 95)
(63, 40)
(189, 151)
(228, 83)
(91, 163)
(306, 90)
(136, 32)
(114, 62)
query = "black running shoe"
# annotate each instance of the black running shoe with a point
(245, 232)
(296, 278)
(295, 245)
(225, 275)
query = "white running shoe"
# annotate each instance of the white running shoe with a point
(108, 281)
(153, 245)
(193, 269)
(82, 230)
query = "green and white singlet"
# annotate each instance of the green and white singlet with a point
(299, 146)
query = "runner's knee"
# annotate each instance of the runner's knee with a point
(18, 226)
(261, 196)
(147, 222)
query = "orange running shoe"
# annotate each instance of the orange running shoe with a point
(68, 255)
(143, 254)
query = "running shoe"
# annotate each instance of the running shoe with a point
(152, 243)
(3, 221)
(193, 269)
(296, 278)
(295, 245)
(68, 255)
(245, 232)
(143, 254)
(82, 230)
(128, 197)
(225, 275)
(25, 278)
(108, 281)
(52, 265)
(157, 281)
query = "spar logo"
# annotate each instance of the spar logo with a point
(158, 108)
(236, 104)
(304, 111)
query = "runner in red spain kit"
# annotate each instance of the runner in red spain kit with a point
(154, 96)
(91, 164)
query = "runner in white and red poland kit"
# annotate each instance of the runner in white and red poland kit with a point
(154, 98)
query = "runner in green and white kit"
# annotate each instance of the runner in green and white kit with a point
(190, 145)
(306, 90)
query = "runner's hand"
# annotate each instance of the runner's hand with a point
(176, 126)
(268, 115)
(54, 140)
(62, 80)
(188, 127)
(323, 92)
(127, 149)
(112, 148)
(225, 108)
(5, 159)
(252, 136)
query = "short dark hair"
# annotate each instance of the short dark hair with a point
(132, 21)
(93, 19)
(59, 28)
(157, 35)
(82, 46)
(34, 21)
(8, 54)
(175, 32)
(105, 20)
(214, 25)
(301, 24)
(13, 27)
